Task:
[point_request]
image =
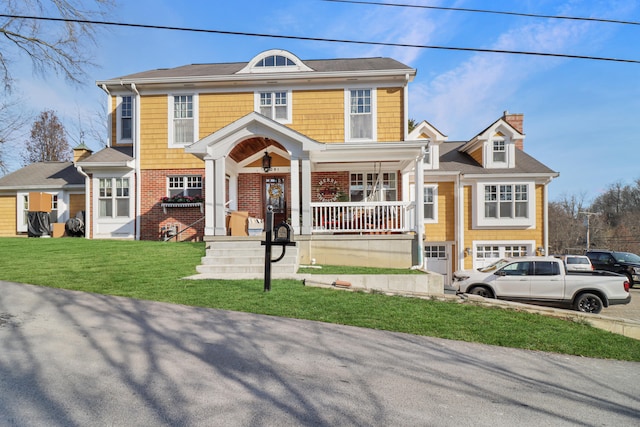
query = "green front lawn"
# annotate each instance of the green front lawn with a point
(154, 270)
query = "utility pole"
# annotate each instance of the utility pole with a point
(588, 215)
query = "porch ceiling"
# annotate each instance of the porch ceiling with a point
(251, 146)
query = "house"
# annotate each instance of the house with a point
(198, 152)
(60, 179)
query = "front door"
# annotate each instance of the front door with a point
(275, 196)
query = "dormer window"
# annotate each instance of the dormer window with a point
(499, 151)
(275, 61)
(427, 155)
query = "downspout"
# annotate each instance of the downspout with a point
(459, 195)
(545, 243)
(419, 207)
(136, 145)
(87, 201)
(406, 107)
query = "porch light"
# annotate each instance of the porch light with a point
(541, 250)
(266, 162)
(467, 251)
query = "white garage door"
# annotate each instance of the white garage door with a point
(488, 254)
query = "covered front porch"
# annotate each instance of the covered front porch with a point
(351, 192)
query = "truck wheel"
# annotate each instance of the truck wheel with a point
(482, 291)
(588, 303)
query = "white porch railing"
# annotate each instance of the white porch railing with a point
(362, 217)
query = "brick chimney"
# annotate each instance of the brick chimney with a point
(517, 121)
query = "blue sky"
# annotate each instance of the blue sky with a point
(581, 118)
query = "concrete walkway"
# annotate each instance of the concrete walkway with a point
(77, 359)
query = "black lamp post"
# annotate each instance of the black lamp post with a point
(266, 162)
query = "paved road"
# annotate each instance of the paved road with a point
(76, 359)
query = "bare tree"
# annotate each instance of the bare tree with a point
(12, 122)
(48, 140)
(566, 228)
(63, 47)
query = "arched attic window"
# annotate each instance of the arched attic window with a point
(274, 61)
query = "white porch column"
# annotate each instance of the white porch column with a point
(218, 197)
(419, 225)
(209, 197)
(306, 196)
(295, 195)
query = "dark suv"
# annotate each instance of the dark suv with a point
(619, 262)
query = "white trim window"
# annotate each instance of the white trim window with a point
(183, 119)
(506, 201)
(360, 115)
(185, 185)
(113, 197)
(125, 120)
(381, 186)
(276, 105)
(499, 151)
(430, 203)
(22, 218)
(506, 204)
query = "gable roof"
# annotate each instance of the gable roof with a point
(454, 160)
(222, 71)
(43, 175)
(110, 156)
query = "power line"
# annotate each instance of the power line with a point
(495, 12)
(319, 39)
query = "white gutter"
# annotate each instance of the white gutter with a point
(252, 77)
(136, 145)
(87, 202)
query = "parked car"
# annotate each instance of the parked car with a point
(576, 262)
(544, 280)
(619, 262)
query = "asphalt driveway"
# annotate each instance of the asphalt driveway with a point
(75, 359)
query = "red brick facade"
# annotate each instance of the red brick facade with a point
(154, 223)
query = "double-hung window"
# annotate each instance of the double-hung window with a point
(360, 118)
(187, 185)
(183, 119)
(506, 201)
(499, 151)
(126, 116)
(275, 105)
(113, 197)
(430, 203)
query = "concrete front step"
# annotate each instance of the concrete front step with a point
(245, 258)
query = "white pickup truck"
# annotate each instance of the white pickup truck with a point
(544, 281)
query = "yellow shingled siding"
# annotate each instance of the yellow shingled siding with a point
(219, 109)
(390, 114)
(154, 151)
(470, 235)
(477, 155)
(8, 211)
(444, 229)
(319, 114)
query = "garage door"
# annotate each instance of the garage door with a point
(488, 254)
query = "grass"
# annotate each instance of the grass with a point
(153, 271)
